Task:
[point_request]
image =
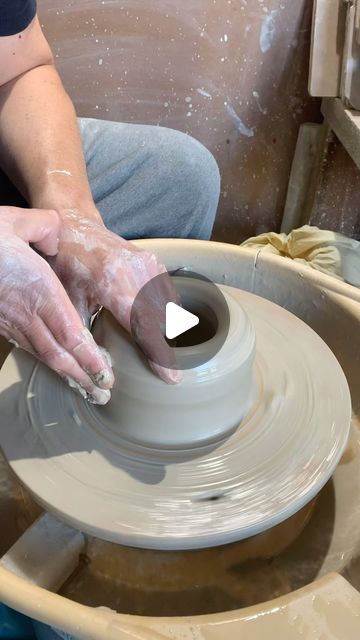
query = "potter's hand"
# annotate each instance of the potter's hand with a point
(35, 310)
(100, 269)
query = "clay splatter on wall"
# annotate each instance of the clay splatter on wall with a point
(233, 73)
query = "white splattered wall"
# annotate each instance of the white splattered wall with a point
(233, 73)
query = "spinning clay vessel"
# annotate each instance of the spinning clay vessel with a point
(242, 443)
(212, 397)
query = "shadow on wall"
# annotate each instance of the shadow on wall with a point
(234, 75)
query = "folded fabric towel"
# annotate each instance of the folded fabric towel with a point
(326, 251)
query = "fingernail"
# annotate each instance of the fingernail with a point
(56, 247)
(175, 376)
(103, 379)
(170, 376)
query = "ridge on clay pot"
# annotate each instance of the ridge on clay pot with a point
(212, 397)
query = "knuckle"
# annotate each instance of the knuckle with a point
(67, 337)
(54, 359)
(53, 217)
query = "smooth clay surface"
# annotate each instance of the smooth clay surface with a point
(211, 399)
(276, 461)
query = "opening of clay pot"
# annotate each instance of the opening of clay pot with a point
(202, 332)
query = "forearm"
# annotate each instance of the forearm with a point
(40, 146)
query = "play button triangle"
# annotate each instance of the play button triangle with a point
(178, 320)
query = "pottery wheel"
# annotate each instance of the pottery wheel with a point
(280, 456)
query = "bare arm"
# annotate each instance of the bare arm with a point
(40, 146)
(40, 150)
(38, 127)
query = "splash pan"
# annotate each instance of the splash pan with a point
(277, 459)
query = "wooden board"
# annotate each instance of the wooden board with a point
(302, 170)
(350, 80)
(335, 189)
(346, 125)
(327, 44)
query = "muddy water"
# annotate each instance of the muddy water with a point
(206, 581)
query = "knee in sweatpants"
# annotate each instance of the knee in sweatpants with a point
(195, 180)
(151, 181)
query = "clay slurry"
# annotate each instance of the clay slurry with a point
(186, 316)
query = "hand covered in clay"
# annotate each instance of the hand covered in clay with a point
(100, 269)
(35, 310)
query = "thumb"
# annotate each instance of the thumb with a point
(39, 227)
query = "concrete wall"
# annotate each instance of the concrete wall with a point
(233, 73)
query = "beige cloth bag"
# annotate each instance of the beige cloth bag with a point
(326, 251)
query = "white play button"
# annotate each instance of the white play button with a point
(178, 320)
(153, 314)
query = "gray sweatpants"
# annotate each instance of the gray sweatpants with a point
(147, 181)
